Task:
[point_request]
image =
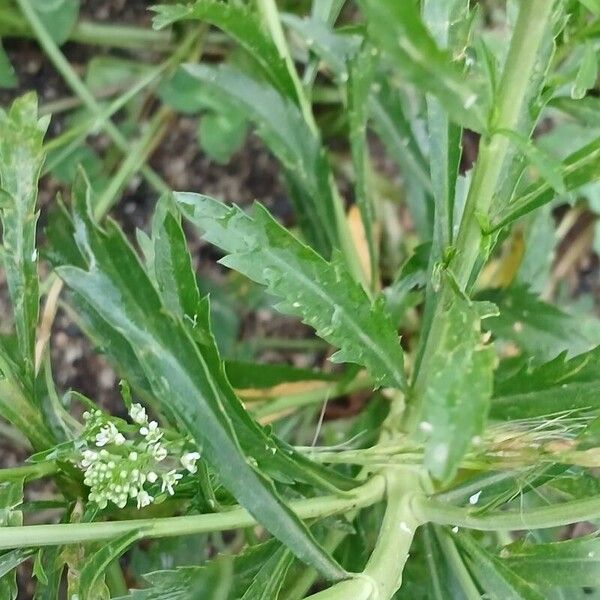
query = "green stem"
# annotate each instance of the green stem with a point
(544, 517)
(34, 471)
(76, 84)
(520, 63)
(75, 533)
(140, 151)
(270, 14)
(382, 576)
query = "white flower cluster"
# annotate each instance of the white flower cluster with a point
(140, 467)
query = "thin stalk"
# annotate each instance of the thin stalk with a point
(544, 517)
(76, 84)
(270, 14)
(34, 471)
(74, 533)
(140, 151)
(89, 32)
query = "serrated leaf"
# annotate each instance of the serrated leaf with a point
(572, 563)
(181, 377)
(177, 285)
(323, 294)
(58, 16)
(539, 329)
(282, 127)
(557, 386)
(456, 395)
(244, 27)
(494, 576)
(21, 159)
(95, 564)
(398, 29)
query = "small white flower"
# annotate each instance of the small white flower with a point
(107, 435)
(151, 432)
(133, 456)
(144, 499)
(158, 452)
(138, 414)
(170, 480)
(119, 439)
(151, 477)
(188, 461)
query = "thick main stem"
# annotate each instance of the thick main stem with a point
(382, 576)
(520, 64)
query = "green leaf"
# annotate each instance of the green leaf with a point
(49, 563)
(573, 563)
(334, 48)
(282, 127)
(8, 79)
(587, 74)
(221, 135)
(322, 293)
(579, 168)
(444, 19)
(539, 329)
(21, 159)
(457, 394)
(97, 562)
(177, 285)
(557, 386)
(592, 5)
(389, 121)
(244, 27)
(398, 29)
(549, 167)
(359, 88)
(11, 497)
(494, 576)
(58, 16)
(270, 577)
(223, 578)
(244, 374)
(183, 378)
